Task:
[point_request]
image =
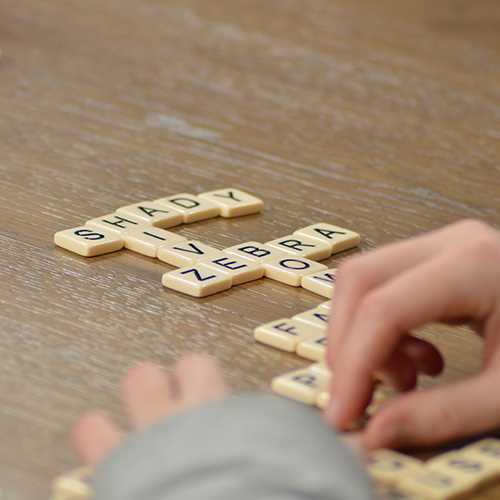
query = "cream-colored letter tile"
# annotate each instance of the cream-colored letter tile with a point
(150, 212)
(284, 334)
(313, 348)
(88, 242)
(485, 449)
(300, 385)
(291, 270)
(321, 283)
(255, 251)
(115, 222)
(187, 253)
(147, 240)
(74, 485)
(302, 246)
(233, 202)
(316, 319)
(193, 208)
(239, 270)
(390, 466)
(326, 305)
(338, 238)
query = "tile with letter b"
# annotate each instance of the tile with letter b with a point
(255, 251)
(198, 280)
(192, 207)
(146, 240)
(302, 246)
(75, 485)
(338, 238)
(150, 212)
(322, 283)
(430, 484)
(291, 270)
(300, 385)
(315, 319)
(284, 334)
(239, 270)
(234, 202)
(187, 253)
(116, 223)
(88, 242)
(313, 348)
(389, 466)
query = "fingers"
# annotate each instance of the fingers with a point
(425, 356)
(403, 303)
(428, 417)
(94, 436)
(147, 394)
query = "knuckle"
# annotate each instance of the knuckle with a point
(375, 305)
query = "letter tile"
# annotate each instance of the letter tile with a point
(313, 348)
(192, 208)
(114, 222)
(255, 251)
(322, 283)
(300, 385)
(187, 253)
(316, 319)
(302, 246)
(150, 212)
(88, 242)
(284, 334)
(239, 270)
(291, 270)
(234, 202)
(338, 238)
(389, 466)
(147, 240)
(74, 485)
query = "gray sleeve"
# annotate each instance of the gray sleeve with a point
(243, 448)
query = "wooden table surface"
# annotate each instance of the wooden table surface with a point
(383, 117)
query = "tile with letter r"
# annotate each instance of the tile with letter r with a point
(88, 242)
(302, 246)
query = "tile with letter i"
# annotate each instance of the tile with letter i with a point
(338, 238)
(198, 280)
(255, 251)
(456, 463)
(430, 484)
(300, 385)
(284, 334)
(192, 208)
(322, 283)
(119, 224)
(187, 253)
(315, 319)
(291, 270)
(389, 467)
(150, 212)
(239, 270)
(313, 348)
(88, 242)
(147, 240)
(234, 202)
(302, 246)
(74, 485)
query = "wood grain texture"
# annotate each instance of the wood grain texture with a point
(379, 116)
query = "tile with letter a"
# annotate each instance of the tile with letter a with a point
(322, 283)
(233, 202)
(302, 246)
(146, 240)
(74, 485)
(192, 208)
(429, 484)
(88, 242)
(115, 222)
(456, 463)
(239, 270)
(315, 319)
(187, 253)
(313, 348)
(284, 334)
(198, 280)
(255, 251)
(338, 238)
(389, 466)
(291, 270)
(150, 212)
(300, 385)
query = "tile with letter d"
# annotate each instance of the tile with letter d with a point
(187, 253)
(88, 242)
(322, 283)
(150, 212)
(147, 240)
(302, 246)
(338, 238)
(284, 334)
(192, 207)
(117, 223)
(234, 202)
(300, 385)
(198, 280)
(291, 270)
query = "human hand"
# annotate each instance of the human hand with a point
(451, 275)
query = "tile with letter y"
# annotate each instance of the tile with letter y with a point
(198, 280)
(192, 207)
(88, 242)
(338, 238)
(150, 212)
(284, 334)
(234, 202)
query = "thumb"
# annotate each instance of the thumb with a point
(431, 416)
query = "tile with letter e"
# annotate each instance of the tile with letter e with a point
(150, 212)
(478, 470)
(315, 319)
(338, 238)
(187, 253)
(146, 240)
(300, 385)
(430, 484)
(255, 251)
(74, 485)
(313, 348)
(322, 283)
(239, 270)
(192, 207)
(291, 270)
(88, 242)
(117, 223)
(389, 466)
(198, 280)
(284, 334)
(234, 202)
(302, 246)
